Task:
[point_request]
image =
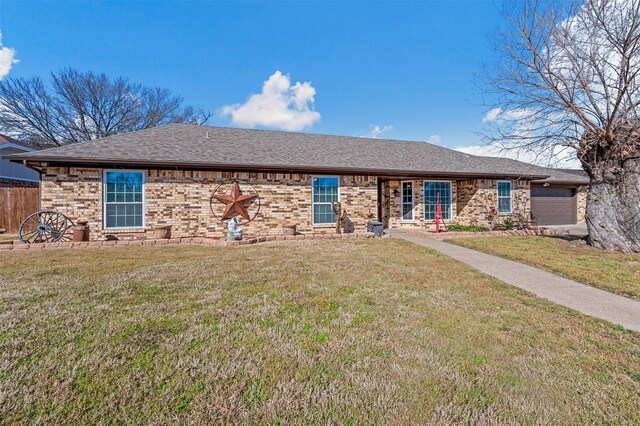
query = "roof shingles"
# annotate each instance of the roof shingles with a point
(187, 145)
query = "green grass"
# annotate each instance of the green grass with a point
(347, 332)
(615, 272)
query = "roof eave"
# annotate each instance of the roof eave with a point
(260, 168)
(559, 182)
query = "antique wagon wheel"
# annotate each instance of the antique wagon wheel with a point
(45, 226)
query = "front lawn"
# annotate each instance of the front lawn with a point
(615, 272)
(368, 331)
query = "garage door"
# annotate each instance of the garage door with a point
(553, 206)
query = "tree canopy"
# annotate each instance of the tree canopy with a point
(567, 76)
(78, 106)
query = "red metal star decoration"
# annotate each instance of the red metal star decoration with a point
(236, 203)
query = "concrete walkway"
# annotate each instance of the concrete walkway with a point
(583, 298)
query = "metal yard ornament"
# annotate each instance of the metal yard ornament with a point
(235, 203)
(439, 217)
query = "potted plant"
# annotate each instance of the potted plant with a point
(162, 232)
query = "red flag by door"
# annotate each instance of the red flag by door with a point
(439, 217)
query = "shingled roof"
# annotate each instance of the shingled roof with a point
(220, 148)
(4, 139)
(566, 176)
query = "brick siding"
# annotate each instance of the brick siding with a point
(581, 194)
(182, 199)
(472, 199)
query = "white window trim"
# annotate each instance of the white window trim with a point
(313, 204)
(453, 211)
(104, 199)
(413, 201)
(510, 196)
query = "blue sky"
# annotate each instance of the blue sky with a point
(409, 66)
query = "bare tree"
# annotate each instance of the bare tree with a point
(82, 106)
(567, 77)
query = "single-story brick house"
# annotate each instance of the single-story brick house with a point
(131, 183)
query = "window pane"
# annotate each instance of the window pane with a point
(504, 189)
(407, 200)
(120, 221)
(323, 213)
(407, 192)
(325, 191)
(504, 197)
(431, 191)
(504, 205)
(110, 215)
(407, 212)
(123, 199)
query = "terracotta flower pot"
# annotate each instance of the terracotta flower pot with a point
(81, 231)
(162, 232)
(289, 229)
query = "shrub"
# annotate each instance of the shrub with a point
(454, 227)
(508, 224)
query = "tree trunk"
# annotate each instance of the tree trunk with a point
(613, 209)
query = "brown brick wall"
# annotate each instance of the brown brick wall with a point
(581, 194)
(476, 197)
(395, 216)
(472, 199)
(182, 199)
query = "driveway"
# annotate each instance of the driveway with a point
(579, 230)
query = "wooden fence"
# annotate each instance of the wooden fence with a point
(15, 205)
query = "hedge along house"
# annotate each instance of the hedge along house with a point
(129, 184)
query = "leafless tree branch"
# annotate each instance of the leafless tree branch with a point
(82, 106)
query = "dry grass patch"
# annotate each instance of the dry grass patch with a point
(376, 331)
(615, 272)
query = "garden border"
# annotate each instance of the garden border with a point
(18, 245)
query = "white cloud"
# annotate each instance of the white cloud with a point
(280, 105)
(498, 114)
(561, 157)
(434, 139)
(492, 115)
(7, 59)
(377, 130)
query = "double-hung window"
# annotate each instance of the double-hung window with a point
(407, 200)
(325, 190)
(433, 189)
(504, 196)
(123, 199)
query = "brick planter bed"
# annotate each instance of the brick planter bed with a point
(17, 245)
(538, 232)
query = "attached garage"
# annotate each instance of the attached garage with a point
(559, 199)
(554, 206)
